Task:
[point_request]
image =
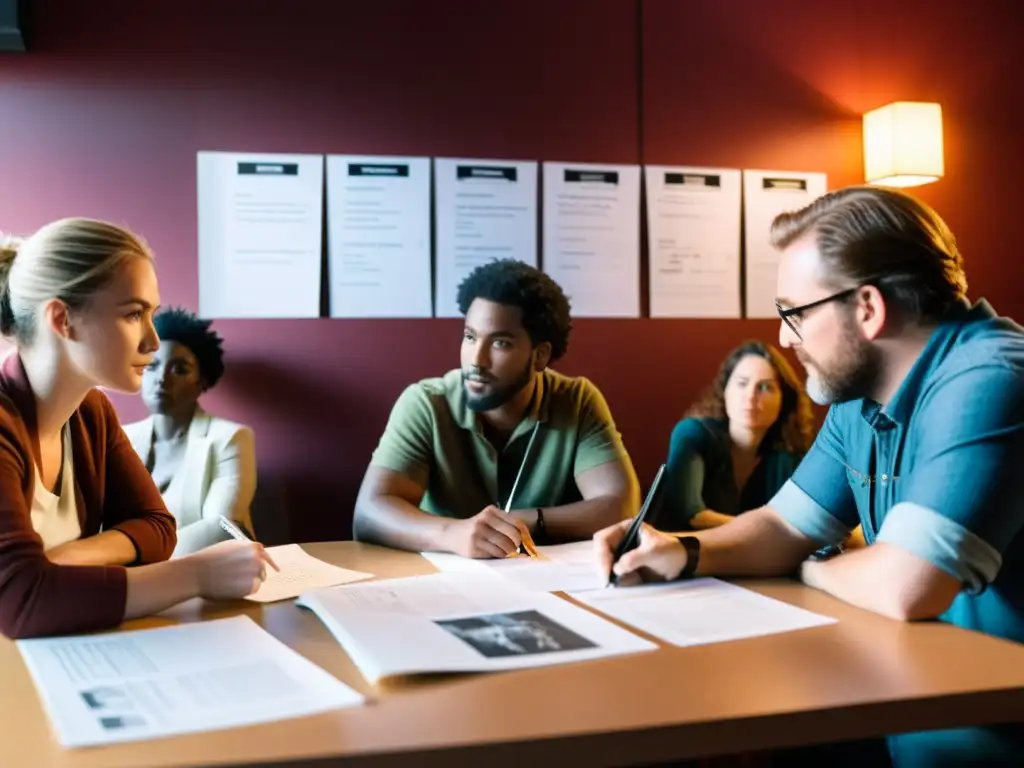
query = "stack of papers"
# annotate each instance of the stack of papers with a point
(447, 623)
(300, 572)
(151, 683)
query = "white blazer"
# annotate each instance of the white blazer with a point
(217, 477)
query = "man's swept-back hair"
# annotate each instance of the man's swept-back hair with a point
(885, 238)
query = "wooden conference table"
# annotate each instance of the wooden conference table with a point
(863, 676)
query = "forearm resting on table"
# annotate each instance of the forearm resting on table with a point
(107, 548)
(154, 588)
(579, 520)
(395, 522)
(884, 579)
(757, 543)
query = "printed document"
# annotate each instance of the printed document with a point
(260, 234)
(699, 611)
(766, 194)
(560, 568)
(693, 225)
(187, 678)
(446, 623)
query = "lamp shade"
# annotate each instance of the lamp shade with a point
(903, 144)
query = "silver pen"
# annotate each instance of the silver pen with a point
(237, 533)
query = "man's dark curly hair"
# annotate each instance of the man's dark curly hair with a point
(180, 325)
(544, 307)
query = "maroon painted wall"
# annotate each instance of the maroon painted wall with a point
(105, 115)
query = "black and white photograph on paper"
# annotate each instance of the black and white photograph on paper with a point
(514, 634)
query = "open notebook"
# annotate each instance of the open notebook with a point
(443, 623)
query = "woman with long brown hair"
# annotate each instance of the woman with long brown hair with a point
(738, 443)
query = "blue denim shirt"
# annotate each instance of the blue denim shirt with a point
(936, 472)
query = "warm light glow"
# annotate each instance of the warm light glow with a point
(903, 144)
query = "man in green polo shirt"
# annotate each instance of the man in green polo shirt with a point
(503, 432)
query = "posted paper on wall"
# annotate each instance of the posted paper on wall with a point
(592, 236)
(378, 236)
(766, 194)
(187, 678)
(693, 225)
(486, 210)
(260, 239)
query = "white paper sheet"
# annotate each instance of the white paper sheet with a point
(560, 568)
(378, 236)
(592, 236)
(693, 224)
(187, 678)
(260, 238)
(299, 572)
(447, 623)
(765, 195)
(699, 611)
(486, 210)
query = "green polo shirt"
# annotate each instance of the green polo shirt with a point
(433, 438)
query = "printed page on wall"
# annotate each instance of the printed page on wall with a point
(260, 243)
(486, 210)
(766, 194)
(592, 236)
(378, 236)
(693, 225)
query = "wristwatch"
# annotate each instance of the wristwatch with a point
(692, 546)
(540, 530)
(828, 552)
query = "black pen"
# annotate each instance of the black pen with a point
(632, 536)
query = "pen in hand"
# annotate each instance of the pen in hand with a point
(237, 533)
(631, 539)
(527, 544)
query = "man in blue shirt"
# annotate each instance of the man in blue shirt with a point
(922, 446)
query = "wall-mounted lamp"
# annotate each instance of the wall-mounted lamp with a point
(903, 144)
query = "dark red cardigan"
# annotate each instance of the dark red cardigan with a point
(113, 490)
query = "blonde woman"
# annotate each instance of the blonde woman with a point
(76, 504)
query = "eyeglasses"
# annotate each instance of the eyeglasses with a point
(794, 315)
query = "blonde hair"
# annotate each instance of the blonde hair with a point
(70, 260)
(878, 236)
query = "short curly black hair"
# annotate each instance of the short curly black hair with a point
(183, 327)
(544, 307)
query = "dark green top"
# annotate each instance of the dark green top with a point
(699, 475)
(433, 438)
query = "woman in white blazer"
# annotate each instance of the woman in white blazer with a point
(204, 466)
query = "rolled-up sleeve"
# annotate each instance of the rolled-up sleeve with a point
(817, 500)
(961, 505)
